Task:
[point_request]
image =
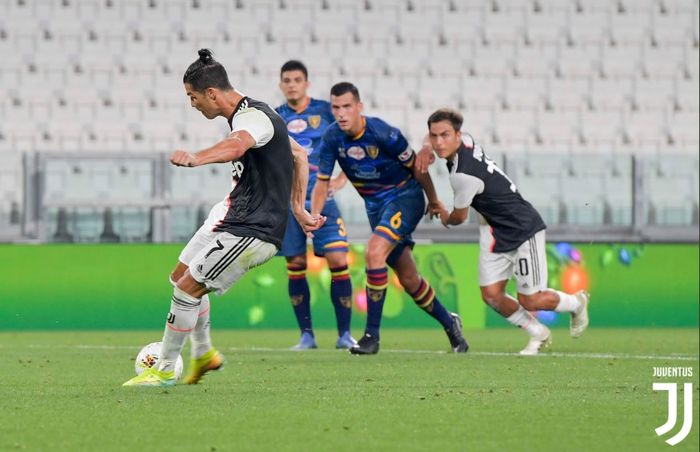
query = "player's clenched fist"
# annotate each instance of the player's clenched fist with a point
(183, 158)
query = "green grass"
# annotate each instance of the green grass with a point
(62, 391)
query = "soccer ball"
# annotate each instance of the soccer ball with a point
(148, 356)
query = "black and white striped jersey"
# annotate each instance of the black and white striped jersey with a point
(479, 183)
(259, 203)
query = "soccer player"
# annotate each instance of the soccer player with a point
(306, 120)
(511, 233)
(243, 231)
(379, 162)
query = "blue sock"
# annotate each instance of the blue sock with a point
(341, 295)
(425, 298)
(377, 281)
(300, 297)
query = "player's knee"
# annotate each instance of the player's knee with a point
(374, 258)
(298, 260)
(409, 281)
(490, 297)
(177, 273)
(529, 302)
(336, 260)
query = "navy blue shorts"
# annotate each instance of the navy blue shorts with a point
(329, 238)
(396, 220)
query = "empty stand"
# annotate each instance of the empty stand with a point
(537, 76)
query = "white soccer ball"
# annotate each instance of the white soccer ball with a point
(149, 355)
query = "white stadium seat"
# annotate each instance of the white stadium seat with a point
(547, 57)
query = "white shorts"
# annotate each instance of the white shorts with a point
(528, 263)
(219, 259)
(205, 234)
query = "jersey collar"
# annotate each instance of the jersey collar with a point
(455, 158)
(362, 131)
(242, 104)
(302, 107)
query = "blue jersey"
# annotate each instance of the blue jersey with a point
(378, 161)
(307, 127)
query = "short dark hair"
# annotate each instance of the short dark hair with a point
(206, 72)
(294, 65)
(345, 87)
(447, 114)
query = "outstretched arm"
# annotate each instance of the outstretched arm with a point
(337, 183)
(307, 221)
(424, 179)
(318, 196)
(227, 150)
(457, 216)
(425, 157)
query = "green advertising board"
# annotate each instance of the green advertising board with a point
(127, 287)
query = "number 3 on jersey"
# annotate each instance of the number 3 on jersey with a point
(396, 220)
(341, 228)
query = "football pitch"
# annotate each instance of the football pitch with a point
(62, 391)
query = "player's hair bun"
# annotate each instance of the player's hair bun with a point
(205, 56)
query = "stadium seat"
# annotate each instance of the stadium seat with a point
(525, 93)
(483, 93)
(535, 60)
(68, 136)
(672, 29)
(505, 28)
(584, 197)
(480, 125)
(494, 60)
(645, 132)
(568, 94)
(672, 186)
(578, 62)
(686, 94)
(384, 95)
(556, 130)
(463, 30)
(630, 28)
(621, 61)
(589, 29)
(611, 94)
(539, 178)
(514, 131)
(653, 94)
(601, 131)
(545, 27)
(662, 62)
(683, 128)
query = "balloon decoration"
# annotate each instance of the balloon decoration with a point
(256, 314)
(625, 257)
(567, 269)
(361, 300)
(265, 280)
(623, 254)
(574, 278)
(607, 258)
(546, 317)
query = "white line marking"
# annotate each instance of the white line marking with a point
(678, 357)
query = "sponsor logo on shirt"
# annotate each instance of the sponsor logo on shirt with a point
(237, 171)
(356, 152)
(296, 125)
(365, 171)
